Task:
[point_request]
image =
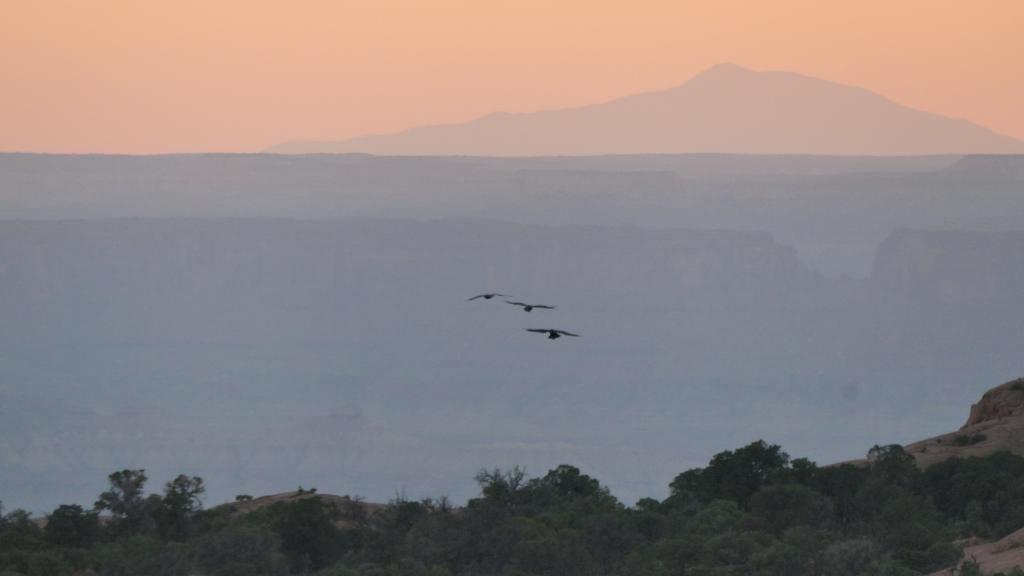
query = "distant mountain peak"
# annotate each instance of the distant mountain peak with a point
(723, 68)
(726, 108)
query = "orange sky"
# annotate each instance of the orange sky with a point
(149, 76)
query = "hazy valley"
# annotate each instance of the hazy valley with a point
(268, 321)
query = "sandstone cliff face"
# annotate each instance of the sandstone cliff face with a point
(278, 280)
(994, 557)
(952, 268)
(995, 424)
(989, 165)
(1000, 402)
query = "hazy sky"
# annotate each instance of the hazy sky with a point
(132, 76)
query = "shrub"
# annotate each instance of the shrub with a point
(969, 440)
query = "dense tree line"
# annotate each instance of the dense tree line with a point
(750, 511)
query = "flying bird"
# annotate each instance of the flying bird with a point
(527, 307)
(487, 296)
(552, 333)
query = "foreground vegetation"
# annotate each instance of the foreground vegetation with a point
(751, 511)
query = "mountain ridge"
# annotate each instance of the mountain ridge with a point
(724, 109)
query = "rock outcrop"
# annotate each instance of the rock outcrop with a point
(995, 424)
(1000, 556)
(998, 403)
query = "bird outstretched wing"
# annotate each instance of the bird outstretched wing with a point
(564, 333)
(538, 330)
(516, 303)
(474, 297)
(488, 295)
(544, 306)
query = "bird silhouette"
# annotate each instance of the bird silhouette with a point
(552, 333)
(527, 307)
(487, 296)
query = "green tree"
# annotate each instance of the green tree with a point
(309, 538)
(735, 475)
(501, 487)
(842, 484)
(785, 506)
(181, 501)
(20, 533)
(241, 550)
(892, 464)
(852, 557)
(72, 527)
(45, 563)
(142, 556)
(125, 502)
